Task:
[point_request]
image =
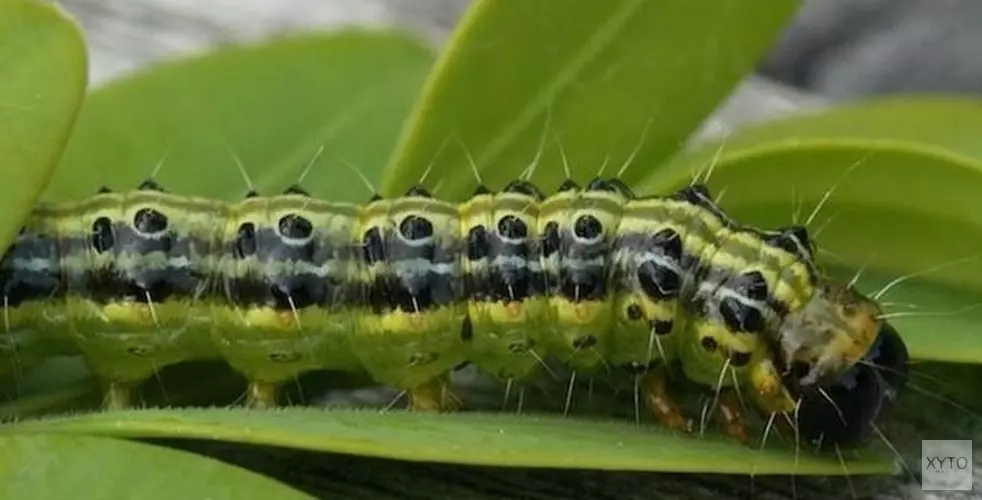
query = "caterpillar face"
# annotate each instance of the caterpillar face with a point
(846, 365)
(834, 329)
(844, 410)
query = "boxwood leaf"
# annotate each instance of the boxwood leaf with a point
(273, 105)
(44, 68)
(62, 466)
(474, 438)
(611, 77)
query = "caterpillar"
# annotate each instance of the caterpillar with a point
(406, 289)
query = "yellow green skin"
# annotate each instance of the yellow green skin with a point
(506, 325)
(709, 345)
(638, 342)
(579, 318)
(31, 337)
(32, 330)
(127, 340)
(269, 344)
(125, 346)
(400, 343)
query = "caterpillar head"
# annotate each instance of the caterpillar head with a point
(832, 332)
(847, 365)
(843, 410)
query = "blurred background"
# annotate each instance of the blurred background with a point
(835, 49)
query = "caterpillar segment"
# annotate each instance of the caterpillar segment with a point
(577, 227)
(507, 307)
(137, 269)
(647, 274)
(411, 332)
(288, 270)
(407, 289)
(32, 277)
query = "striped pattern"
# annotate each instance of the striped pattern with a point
(408, 288)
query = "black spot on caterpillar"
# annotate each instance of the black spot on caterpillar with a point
(409, 288)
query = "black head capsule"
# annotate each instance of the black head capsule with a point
(854, 402)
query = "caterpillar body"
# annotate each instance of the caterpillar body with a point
(408, 288)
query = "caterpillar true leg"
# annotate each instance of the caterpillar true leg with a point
(117, 395)
(434, 395)
(732, 413)
(654, 388)
(261, 394)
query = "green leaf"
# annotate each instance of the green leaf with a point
(605, 69)
(465, 438)
(908, 176)
(64, 385)
(949, 332)
(272, 104)
(44, 68)
(61, 399)
(52, 466)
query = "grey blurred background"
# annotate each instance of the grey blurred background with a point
(848, 48)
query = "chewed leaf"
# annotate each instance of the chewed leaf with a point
(465, 438)
(272, 106)
(62, 466)
(597, 79)
(905, 177)
(44, 68)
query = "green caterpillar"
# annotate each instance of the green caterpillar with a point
(406, 289)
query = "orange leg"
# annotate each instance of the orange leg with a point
(262, 395)
(732, 413)
(655, 392)
(434, 395)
